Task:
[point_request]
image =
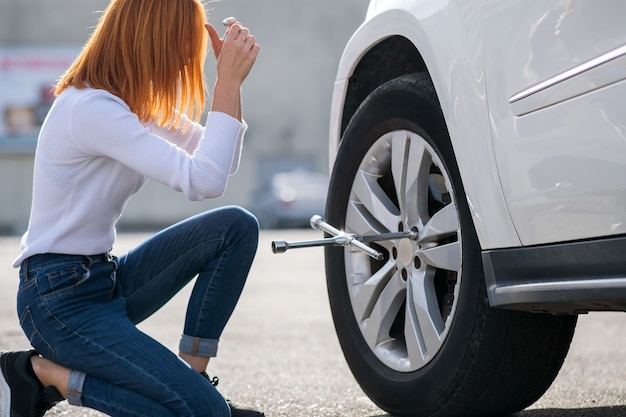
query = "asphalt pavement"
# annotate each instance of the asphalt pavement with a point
(280, 354)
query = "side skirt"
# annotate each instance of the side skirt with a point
(565, 278)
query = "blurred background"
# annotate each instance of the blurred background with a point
(286, 104)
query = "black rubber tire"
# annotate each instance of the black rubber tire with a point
(493, 362)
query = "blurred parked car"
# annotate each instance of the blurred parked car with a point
(496, 131)
(290, 199)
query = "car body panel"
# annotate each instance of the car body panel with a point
(556, 94)
(526, 132)
(459, 80)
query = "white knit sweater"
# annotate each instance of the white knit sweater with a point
(93, 154)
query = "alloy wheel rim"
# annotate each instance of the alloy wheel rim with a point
(404, 304)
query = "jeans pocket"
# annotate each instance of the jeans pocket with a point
(35, 337)
(60, 281)
(70, 286)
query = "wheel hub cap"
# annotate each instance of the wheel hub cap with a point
(405, 252)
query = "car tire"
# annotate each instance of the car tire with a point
(416, 328)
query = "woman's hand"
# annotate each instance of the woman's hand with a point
(236, 52)
(235, 55)
(216, 41)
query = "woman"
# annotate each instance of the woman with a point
(126, 111)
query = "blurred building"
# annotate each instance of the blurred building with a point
(286, 97)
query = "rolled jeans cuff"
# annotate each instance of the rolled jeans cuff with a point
(198, 347)
(75, 388)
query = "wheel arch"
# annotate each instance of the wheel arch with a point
(384, 47)
(390, 58)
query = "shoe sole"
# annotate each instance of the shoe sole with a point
(5, 396)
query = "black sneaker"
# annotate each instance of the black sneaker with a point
(242, 412)
(235, 411)
(21, 393)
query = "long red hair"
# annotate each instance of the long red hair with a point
(150, 53)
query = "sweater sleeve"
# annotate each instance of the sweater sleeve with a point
(186, 138)
(102, 125)
(189, 139)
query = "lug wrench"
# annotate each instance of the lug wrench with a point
(340, 238)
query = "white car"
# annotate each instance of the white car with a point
(495, 131)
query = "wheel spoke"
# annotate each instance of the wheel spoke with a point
(410, 164)
(399, 166)
(373, 199)
(423, 325)
(376, 328)
(358, 221)
(443, 224)
(447, 256)
(370, 291)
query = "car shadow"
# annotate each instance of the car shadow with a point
(613, 411)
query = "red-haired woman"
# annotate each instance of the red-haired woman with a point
(127, 110)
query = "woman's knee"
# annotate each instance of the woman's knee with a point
(244, 216)
(243, 222)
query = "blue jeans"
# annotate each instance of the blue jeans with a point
(80, 312)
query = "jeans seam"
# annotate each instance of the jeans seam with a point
(194, 346)
(208, 288)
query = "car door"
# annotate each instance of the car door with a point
(555, 73)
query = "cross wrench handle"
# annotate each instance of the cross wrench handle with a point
(317, 222)
(280, 246)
